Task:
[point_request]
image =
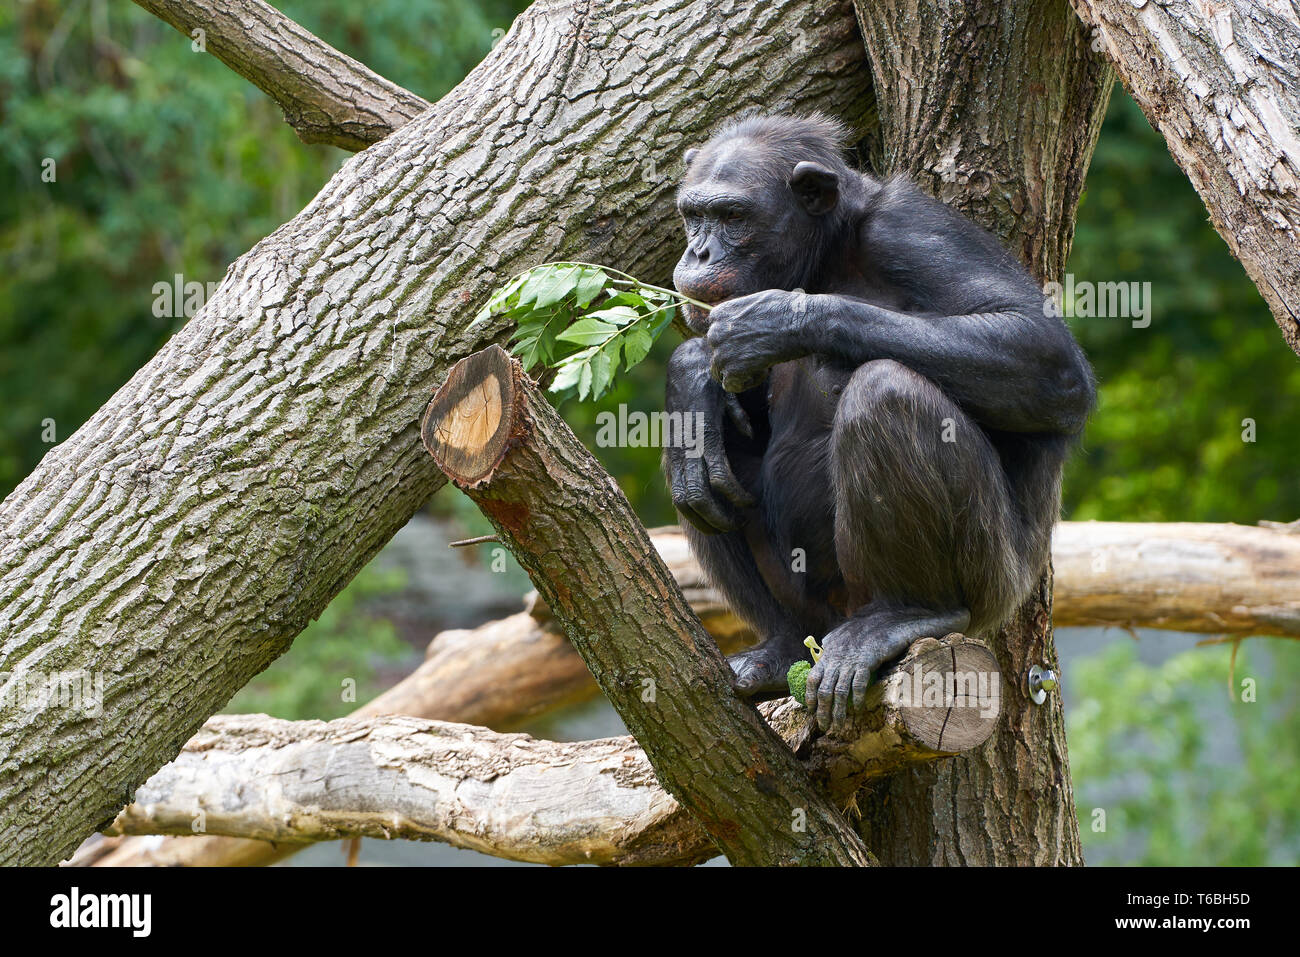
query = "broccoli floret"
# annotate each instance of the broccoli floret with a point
(797, 679)
(797, 676)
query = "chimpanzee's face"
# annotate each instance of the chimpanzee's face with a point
(746, 225)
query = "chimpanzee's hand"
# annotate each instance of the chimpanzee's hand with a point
(703, 487)
(749, 335)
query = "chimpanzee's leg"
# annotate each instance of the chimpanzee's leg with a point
(926, 531)
(729, 564)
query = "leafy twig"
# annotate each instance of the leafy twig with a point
(584, 321)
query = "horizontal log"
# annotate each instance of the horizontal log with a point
(1202, 577)
(1206, 578)
(512, 796)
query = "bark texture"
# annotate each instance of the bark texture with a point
(1221, 80)
(327, 96)
(565, 519)
(179, 540)
(286, 783)
(993, 106)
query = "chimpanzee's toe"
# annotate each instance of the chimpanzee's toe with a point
(759, 672)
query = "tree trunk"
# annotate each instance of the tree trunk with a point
(1221, 81)
(494, 434)
(993, 106)
(178, 541)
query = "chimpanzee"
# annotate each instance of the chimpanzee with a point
(886, 403)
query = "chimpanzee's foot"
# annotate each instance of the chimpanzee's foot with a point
(759, 673)
(855, 649)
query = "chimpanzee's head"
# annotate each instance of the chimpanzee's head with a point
(759, 201)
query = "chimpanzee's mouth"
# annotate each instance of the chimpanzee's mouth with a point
(696, 318)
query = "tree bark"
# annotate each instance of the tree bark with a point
(1221, 82)
(509, 795)
(177, 542)
(568, 524)
(993, 106)
(327, 96)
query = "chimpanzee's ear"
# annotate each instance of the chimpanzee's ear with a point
(691, 154)
(816, 187)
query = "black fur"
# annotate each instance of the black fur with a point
(887, 406)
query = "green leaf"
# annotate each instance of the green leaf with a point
(625, 299)
(619, 315)
(587, 332)
(567, 376)
(636, 346)
(547, 285)
(590, 285)
(602, 372)
(584, 381)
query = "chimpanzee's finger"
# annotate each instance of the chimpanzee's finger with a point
(724, 480)
(826, 698)
(736, 412)
(697, 495)
(843, 687)
(861, 682)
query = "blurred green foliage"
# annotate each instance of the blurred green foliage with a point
(1165, 443)
(168, 163)
(1184, 774)
(340, 661)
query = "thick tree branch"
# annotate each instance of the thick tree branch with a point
(598, 802)
(177, 542)
(1221, 81)
(493, 433)
(327, 96)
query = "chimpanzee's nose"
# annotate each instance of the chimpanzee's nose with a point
(704, 251)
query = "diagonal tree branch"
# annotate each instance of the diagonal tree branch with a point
(327, 96)
(494, 434)
(1221, 81)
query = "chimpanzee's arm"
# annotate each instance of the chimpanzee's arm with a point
(971, 320)
(1008, 369)
(974, 321)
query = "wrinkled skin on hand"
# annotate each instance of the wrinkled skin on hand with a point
(750, 334)
(703, 487)
(837, 685)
